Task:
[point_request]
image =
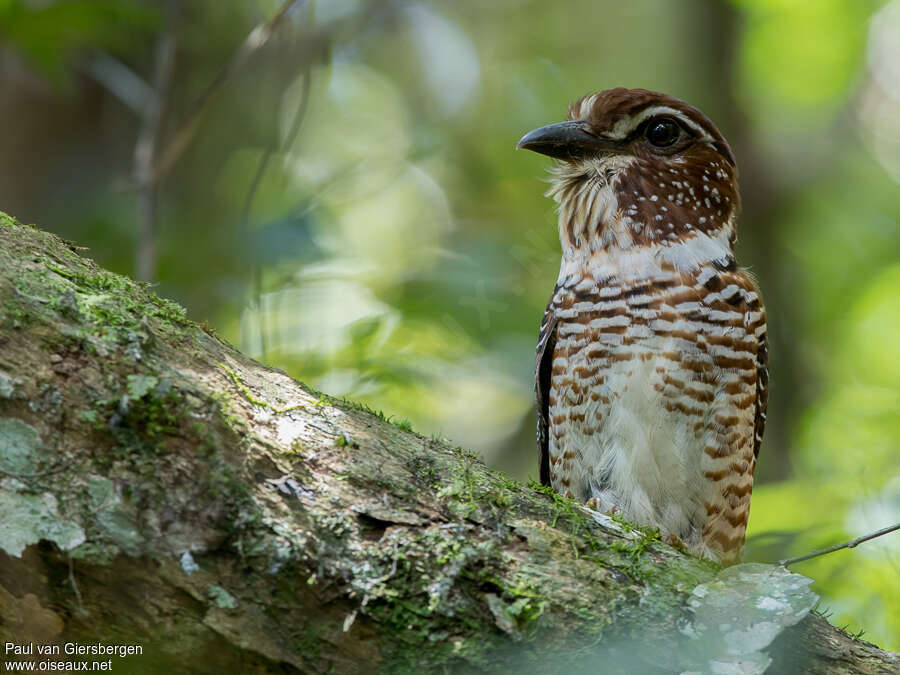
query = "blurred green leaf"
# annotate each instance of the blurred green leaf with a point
(800, 56)
(48, 33)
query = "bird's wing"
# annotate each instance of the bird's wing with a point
(762, 387)
(542, 371)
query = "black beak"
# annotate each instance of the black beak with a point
(566, 140)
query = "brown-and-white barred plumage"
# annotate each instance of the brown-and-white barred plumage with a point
(651, 365)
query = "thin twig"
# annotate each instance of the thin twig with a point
(255, 40)
(145, 148)
(847, 544)
(119, 80)
(270, 150)
(274, 146)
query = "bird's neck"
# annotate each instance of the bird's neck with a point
(602, 239)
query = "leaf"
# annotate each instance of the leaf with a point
(48, 34)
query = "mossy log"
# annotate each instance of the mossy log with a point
(161, 490)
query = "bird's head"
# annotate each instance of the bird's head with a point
(638, 167)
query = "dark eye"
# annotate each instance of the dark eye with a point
(663, 133)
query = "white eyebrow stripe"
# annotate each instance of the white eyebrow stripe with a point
(586, 106)
(624, 127)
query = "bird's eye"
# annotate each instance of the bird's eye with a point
(663, 133)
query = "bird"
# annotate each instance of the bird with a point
(651, 373)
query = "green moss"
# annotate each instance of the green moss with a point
(132, 301)
(567, 511)
(424, 467)
(422, 596)
(526, 610)
(404, 424)
(308, 641)
(425, 642)
(323, 400)
(223, 480)
(461, 490)
(631, 558)
(87, 307)
(96, 553)
(346, 404)
(522, 604)
(245, 391)
(140, 423)
(223, 403)
(15, 315)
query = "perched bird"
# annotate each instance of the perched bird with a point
(651, 368)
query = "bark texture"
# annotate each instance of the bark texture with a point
(158, 488)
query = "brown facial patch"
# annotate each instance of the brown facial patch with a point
(673, 197)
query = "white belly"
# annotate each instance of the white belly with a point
(631, 453)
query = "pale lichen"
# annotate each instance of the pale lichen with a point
(26, 519)
(20, 447)
(736, 615)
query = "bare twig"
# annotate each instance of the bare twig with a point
(120, 80)
(254, 185)
(274, 146)
(255, 40)
(145, 148)
(837, 547)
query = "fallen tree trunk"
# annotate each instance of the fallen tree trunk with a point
(164, 494)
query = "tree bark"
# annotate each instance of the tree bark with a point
(161, 490)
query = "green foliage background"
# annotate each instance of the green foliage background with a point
(398, 251)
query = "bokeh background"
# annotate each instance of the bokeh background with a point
(332, 186)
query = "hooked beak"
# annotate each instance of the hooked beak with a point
(566, 140)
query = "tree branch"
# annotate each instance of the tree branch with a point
(275, 529)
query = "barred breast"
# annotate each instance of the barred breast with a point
(654, 401)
